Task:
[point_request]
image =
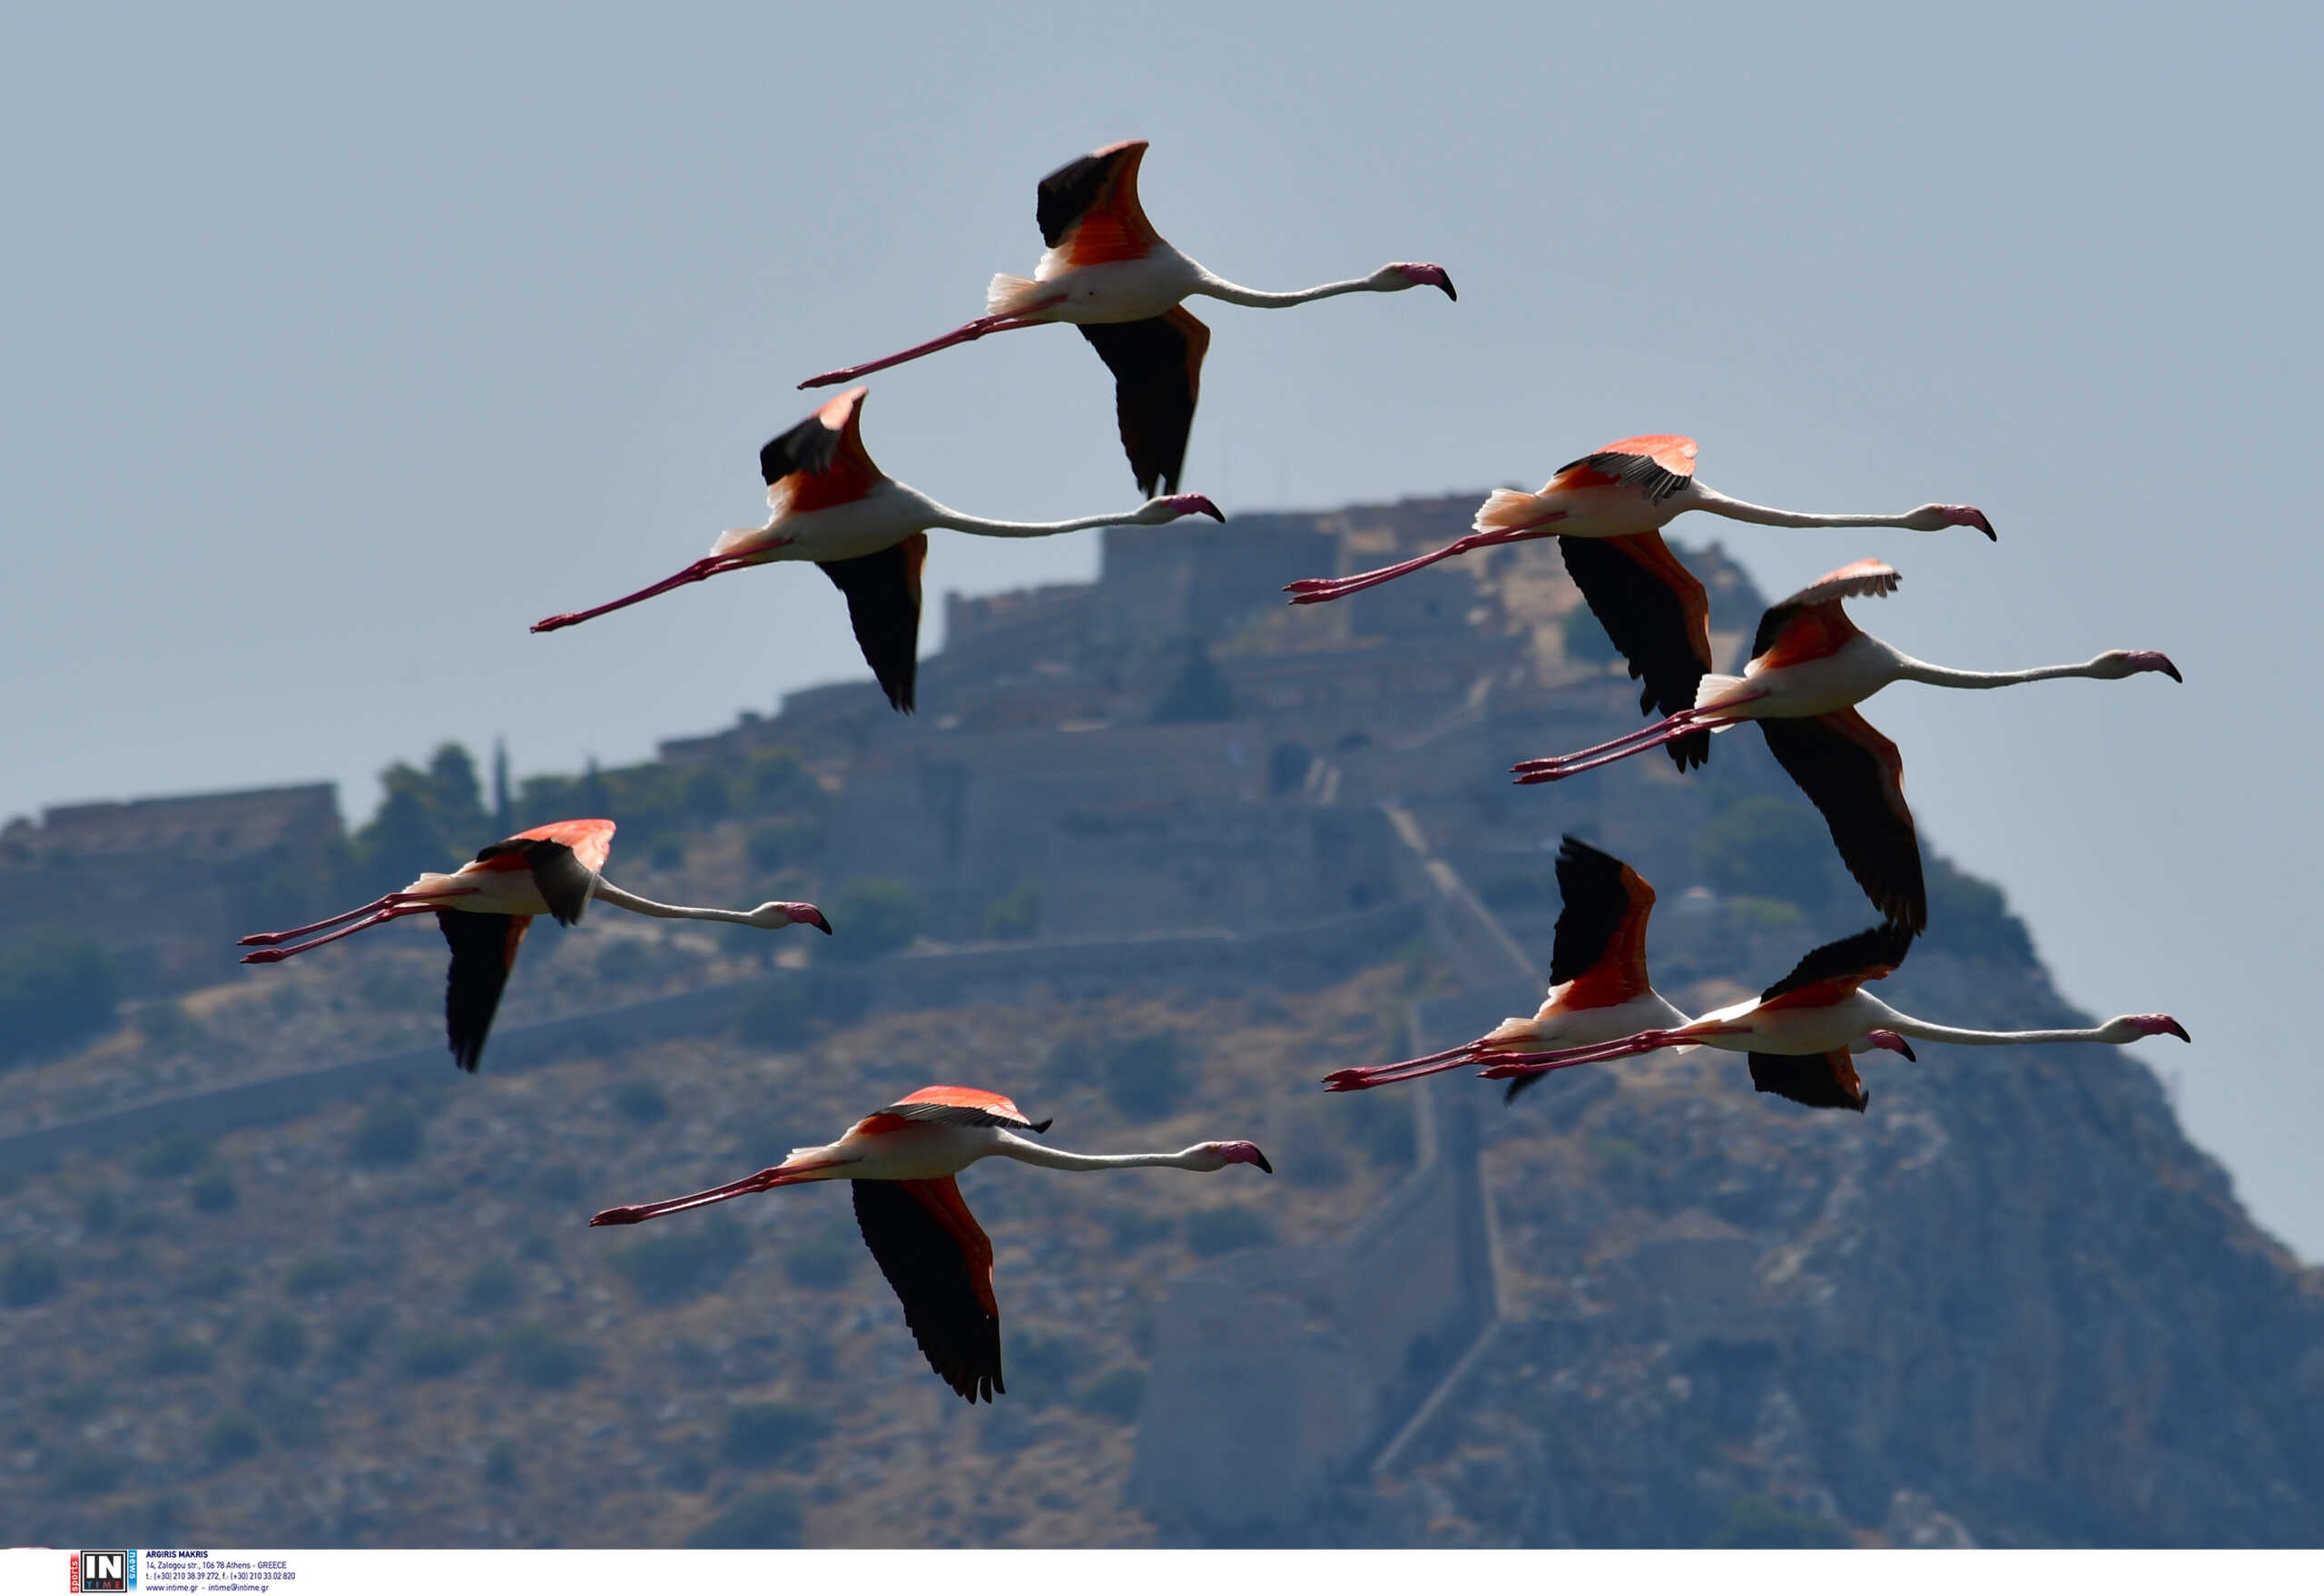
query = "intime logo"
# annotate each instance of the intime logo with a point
(105, 1571)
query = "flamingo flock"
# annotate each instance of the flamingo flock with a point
(1109, 273)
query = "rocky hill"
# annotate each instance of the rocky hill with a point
(1156, 853)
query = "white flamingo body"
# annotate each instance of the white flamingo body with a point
(1153, 284)
(1800, 1031)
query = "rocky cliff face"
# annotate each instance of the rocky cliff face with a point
(2009, 1301)
(2010, 1305)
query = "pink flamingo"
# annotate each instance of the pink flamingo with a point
(1810, 667)
(1109, 273)
(1599, 989)
(485, 907)
(935, 1254)
(1799, 1032)
(830, 504)
(1607, 511)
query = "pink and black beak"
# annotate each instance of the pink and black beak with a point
(1422, 273)
(2162, 1025)
(2147, 659)
(1888, 1041)
(1194, 503)
(1243, 1152)
(810, 915)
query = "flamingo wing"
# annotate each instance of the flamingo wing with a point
(883, 606)
(1089, 209)
(1657, 466)
(1856, 778)
(1659, 617)
(1810, 623)
(1601, 929)
(484, 951)
(821, 461)
(939, 1261)
(964, 1105)
(1832, 971)
(1157, 376)
(1820, 1081)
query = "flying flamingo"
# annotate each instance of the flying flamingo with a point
(1810, 664)
(486, 905)
(830, 504)
(1599, 989)
(1108, 272)
(936, 1258)
(1607, 511)
(1800, 1031)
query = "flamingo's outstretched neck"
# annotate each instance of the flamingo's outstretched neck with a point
(968, 332)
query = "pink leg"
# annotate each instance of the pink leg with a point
(394, 911)
(1324, 589)
(968, 332)
(1683, 723)
(702, 569)
(764, 1180)
(1372, 1075)
(270, 939)
(1645, 1042)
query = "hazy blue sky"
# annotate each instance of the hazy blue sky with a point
(341, 349)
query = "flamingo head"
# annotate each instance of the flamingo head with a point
(1400, 275)
(1888, 1041)
(2131, 1027)
(1217, 1155)
(1933, 517)
(775, 916)
(1155, 511)
(2116, 662)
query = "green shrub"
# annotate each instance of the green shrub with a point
(1197, 691)
(1042, 1366)
(778, 844)
(761, 1433)
(641, 1102)
(486, 1291)
(1016, 914)
(537, 1357)
(436, 1355)
(318, 1276)
(212, 1282)
(822, 1263)
(170, 1358)
(1584, 640)
(76, 1402)
(872, 917)
(1212, 1232)
(500, 1465)
(173, 1155)
(87, 1474)
(1757, 1521)
(215, 1194)
(56, 993)
(101, 1213)
(1116, 1394)
(30, 1279)
(676, 1268)
(233, 1438)
(288, 1417)
(776, 1010)
(765, 1519)
(280, 1341)
(1768, 847)
(1143, 1077)
(387, 1138)
(560, 1182)
(350, 1340)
